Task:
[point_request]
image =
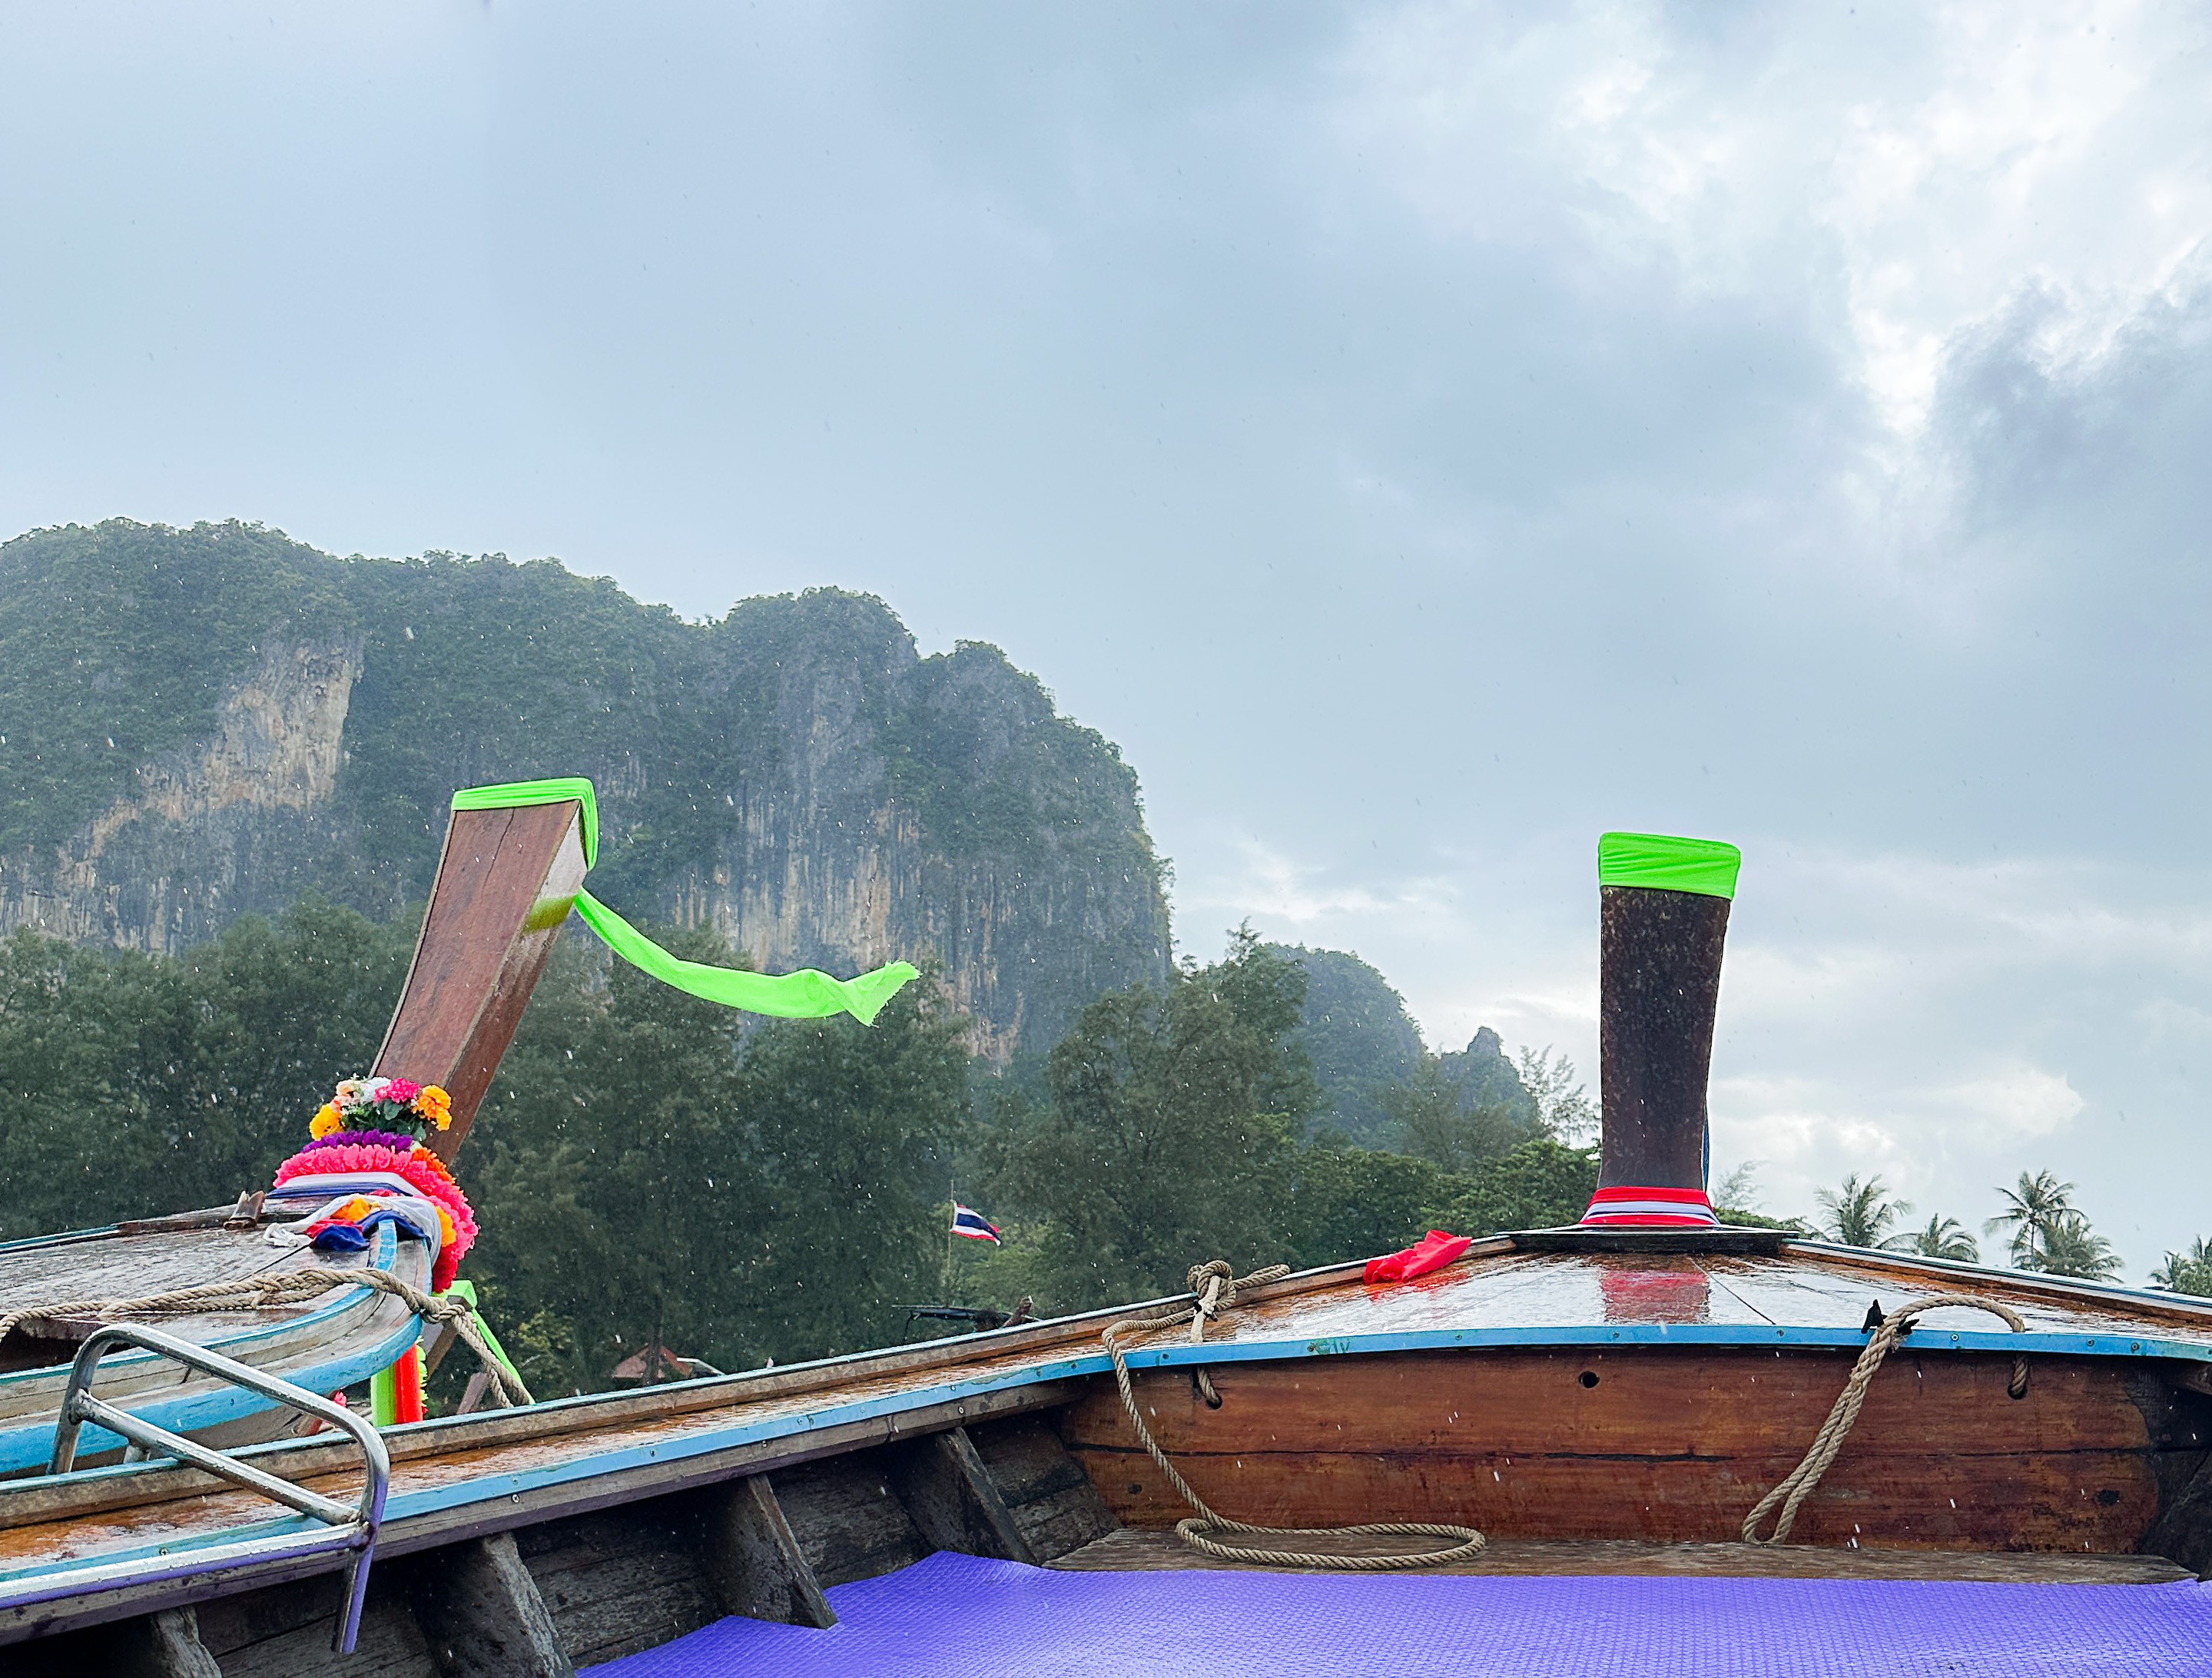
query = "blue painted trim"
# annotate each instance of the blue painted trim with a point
(29, 1444)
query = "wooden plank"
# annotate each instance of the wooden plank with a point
(952, 1498)
(506, 881)
(849, 1523)
(1052, 1501)
(1654, 1445)
(482, 1614)
(753, 1558)
(620, 1580)
(1134, 1552)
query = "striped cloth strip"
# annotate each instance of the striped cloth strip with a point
(1630, 1203)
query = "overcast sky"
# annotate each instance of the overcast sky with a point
(1422, 437)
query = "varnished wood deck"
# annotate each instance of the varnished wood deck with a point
(1132, 1551)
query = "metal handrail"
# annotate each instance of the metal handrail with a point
(357, 1525)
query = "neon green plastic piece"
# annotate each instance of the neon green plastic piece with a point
(808, 993)
(1659, 863)
(384, 1398)
(513, 794)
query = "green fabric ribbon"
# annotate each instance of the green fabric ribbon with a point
(1661, 862)
(808, 993)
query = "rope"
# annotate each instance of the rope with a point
(1216, 1292)
(1798, 1485)
(290, 1288)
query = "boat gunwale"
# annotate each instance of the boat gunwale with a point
(25, 1503)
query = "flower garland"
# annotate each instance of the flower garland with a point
(359, 1130)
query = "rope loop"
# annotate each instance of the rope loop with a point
(265, 1293)
(1215, 1286)
(1797, 1485)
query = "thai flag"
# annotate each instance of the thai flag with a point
(967, 1221)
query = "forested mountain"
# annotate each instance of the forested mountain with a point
(198, 723)
(224, 765)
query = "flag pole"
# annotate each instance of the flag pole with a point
(952, 1196)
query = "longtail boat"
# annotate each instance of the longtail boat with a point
(1648, 1442)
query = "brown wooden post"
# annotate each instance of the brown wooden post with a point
(753, 1557)
(952, 1498)
(1660, 966)
(506, 880)
(482, 1614)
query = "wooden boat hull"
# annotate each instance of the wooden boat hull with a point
(1663, 1444)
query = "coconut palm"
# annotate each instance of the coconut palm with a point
(1943, 1238)
(2071, 1248)
(2032, 1208)
(2187, 1272)
(1860, 1213)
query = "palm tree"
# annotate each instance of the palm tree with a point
(1860, 1213)
(2187, 1272)
(2033, 1209)
(1943, 1238)
(2071, 1248)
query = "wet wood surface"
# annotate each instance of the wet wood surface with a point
(506, 881)
(1131, 1551)
(1654, 1443)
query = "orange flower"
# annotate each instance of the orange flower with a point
(325, 1122)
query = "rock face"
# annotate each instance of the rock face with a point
(214, 720)
(206, 831)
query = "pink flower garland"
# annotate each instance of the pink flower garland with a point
(424, 1170)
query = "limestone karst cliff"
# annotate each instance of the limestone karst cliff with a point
(196, 724)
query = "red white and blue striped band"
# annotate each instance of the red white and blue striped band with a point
(1634, 1204)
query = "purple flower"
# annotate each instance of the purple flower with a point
(364, 1139)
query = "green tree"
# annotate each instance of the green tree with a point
(2071, 1248)
(1433, 1119)
(2034, 1208)
(755, 1190)
(1942, 1239)
(2187, 1272)
(1540, 1184)
(131, 1084)
(1348, 1203)
(1564, 1111)
(1162, 1139)
(1860, 1213)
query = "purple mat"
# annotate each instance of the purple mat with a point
(955, 1616)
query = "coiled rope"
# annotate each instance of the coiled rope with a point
(1798, 1485)
(250, 1293)
(1216, 1292)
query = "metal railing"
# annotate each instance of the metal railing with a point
(354, 1527)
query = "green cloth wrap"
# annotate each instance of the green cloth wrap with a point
(805, 994)
(1659, 863)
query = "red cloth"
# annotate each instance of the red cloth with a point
(1431, 1252)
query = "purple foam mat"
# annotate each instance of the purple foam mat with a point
(955, 1616)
